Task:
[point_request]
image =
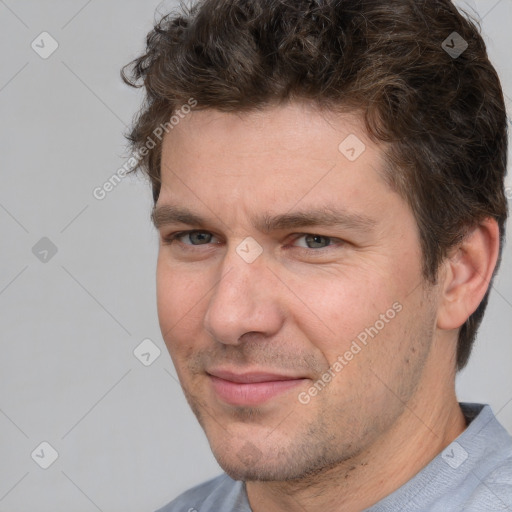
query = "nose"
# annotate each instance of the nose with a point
(244, 301)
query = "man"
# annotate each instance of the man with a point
(328, 187)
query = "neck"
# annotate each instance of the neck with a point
(431, 421)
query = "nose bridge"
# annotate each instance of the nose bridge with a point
(242, 301)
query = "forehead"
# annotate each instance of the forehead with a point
(296, 142)
(300, 127)
(275, 161)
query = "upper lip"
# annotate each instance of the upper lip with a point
(250, 377)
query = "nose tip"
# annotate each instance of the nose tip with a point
(243, 302)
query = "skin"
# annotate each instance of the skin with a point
(301, 303)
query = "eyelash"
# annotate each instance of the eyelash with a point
(172, 238)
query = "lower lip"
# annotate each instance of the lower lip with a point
(253, 393)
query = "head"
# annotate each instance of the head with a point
(333, 164)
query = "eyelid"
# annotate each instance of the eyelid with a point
(334, 240)
(173, 237)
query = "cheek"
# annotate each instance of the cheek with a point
(180, 299)
(341, 308)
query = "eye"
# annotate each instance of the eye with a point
(191, 238)
(311, 241)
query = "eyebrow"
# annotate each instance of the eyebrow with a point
(168, 214)
(326, 216)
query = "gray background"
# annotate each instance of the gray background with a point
(69, 324)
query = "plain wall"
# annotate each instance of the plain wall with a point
(125, 438)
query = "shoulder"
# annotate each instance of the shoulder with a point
(490, 478)
(492, 491)
(220, 493)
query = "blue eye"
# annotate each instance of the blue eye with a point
(191, 238)
(199, 237)
(314, 241)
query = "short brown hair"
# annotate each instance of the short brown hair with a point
(442, 115)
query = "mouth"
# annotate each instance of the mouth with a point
(251, 388)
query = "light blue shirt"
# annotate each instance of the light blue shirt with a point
(473, 474)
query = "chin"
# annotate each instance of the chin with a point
(249, 463)
(259, 472)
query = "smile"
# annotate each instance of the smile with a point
(251, 388)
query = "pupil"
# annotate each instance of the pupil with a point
(200, 238)
(315, 241)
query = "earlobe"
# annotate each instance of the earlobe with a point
(467, 274)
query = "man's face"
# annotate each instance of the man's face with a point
(294, 255)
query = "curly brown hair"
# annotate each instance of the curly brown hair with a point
(442, 115)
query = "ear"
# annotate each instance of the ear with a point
(467, 272)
